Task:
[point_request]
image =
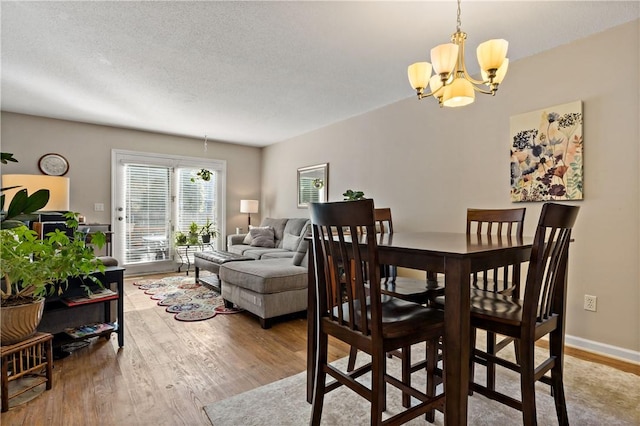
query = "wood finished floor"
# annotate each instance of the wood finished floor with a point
(168, 370)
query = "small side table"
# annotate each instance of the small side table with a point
(27, 357)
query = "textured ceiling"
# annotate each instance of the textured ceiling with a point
(253, 73)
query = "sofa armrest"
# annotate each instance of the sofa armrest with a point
(235, 239)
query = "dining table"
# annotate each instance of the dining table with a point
(456, 256)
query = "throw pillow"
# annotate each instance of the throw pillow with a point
(248, 238)
(262, 237)
(301, 252)
(290, 242)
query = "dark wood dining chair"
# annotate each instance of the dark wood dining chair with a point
(362, 317)
(411, 289)
(541, 312)
(405, 288)
(502, 224)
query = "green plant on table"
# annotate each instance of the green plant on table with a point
(209, 228)
(194, 233)
(31, 265)
(181, 238)
(350, 195)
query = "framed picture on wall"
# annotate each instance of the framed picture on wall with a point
(313, 184)
(546, 154)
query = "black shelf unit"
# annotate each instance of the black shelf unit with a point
(58, 315)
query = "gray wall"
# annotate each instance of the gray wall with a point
(88, 147)
(430, 164)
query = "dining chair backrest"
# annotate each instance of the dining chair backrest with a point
(507, 222)
(545, 288)
(334, 226)
(383, 220)
(497, 223)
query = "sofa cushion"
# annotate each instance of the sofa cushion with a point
(290, 241)
(278, 228)
(262, 237)
(295, 226)
(258, 252)
(278, 254)
(265, 276)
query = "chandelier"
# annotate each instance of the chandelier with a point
(451, 84)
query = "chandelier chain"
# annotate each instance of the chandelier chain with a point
(459, 21)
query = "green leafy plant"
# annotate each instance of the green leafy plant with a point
(31, 265)
(203, 174)
(209, 229)
(22, 205)
(181, 238)
(194, 233)
(350, 195)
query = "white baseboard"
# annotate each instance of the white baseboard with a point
(603, 349)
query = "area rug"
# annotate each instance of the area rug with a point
(595, 394)
(185, 298)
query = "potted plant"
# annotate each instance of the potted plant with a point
(181, 238)
(33, 268)
(194, 233)
(350, 195)
(208, 231)
(203, 174)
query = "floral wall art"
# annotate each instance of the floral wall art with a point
(546, 154)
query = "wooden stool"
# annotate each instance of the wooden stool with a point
(26, 357)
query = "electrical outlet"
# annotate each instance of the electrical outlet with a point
(98, 207)
(590, 302)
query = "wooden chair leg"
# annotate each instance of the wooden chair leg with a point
(557, 380)
(321, 378)
(527, 384)
(353, 353)
(472, 368)
(405, 359)
(432, 362)
(491, 367)
(378, 386)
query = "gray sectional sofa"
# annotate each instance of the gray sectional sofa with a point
(275, 283)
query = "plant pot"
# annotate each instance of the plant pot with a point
(20, 322)
(206, 238)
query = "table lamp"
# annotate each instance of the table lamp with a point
(249, 206)
(58, 187)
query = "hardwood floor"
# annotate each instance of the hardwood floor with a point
(168, 370)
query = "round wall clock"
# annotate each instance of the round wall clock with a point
(53, 165)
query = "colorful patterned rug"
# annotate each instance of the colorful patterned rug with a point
(184, 298)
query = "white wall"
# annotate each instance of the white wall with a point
(88, 147)
(430, 164)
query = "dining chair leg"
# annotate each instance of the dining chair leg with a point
(320, 381)
(378, 386)
(405, 359)
(432, 362)
(527, 384)
(491, 367)
(472, 366)
(353, 353)
(557, 381)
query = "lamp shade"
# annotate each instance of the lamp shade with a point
(249, 206)
(435, 84)
(502, 71)
(58, 187)
(459, 93)
(491, 54)
(419, 74)
(444, 58)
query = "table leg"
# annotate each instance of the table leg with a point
(456, 340)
